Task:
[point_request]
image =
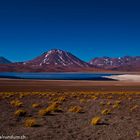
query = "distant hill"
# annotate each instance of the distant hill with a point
(4, 61)
(127, 63)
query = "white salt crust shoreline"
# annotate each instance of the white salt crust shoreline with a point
(125, 77)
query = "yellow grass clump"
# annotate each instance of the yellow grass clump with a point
(7, 96)
(94, 97)
(101, 103)
(22, 95)
(116, 106)
(54, 107)
(96, 120)
(20, 113)
(129, 98)
(134, 108)
(53, 99)
(76, 109)
(110, 97)
(35, 105)
(105, 112)
(62, 98)
(82, 100)
(138, 133)
(55, 104)
(44, 112)
(118, 102)
(108, 103)
(30, 122)
(16, 103)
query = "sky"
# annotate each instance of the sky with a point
(86, 28)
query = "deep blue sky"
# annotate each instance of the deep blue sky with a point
(86, 28)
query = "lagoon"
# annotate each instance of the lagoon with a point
(56, 76)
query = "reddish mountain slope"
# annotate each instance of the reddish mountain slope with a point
(55, 58)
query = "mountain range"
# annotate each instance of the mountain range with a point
(126, 63)
(57, 60)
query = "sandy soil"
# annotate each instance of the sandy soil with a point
(121, 123)
(36, 85)
(121, 98)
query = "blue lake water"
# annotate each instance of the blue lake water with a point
(56, 76)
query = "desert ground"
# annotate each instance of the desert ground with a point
(70, 110)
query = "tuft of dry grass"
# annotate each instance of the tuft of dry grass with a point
(138, 133)
(62, 98)
(101, 103)
(82, 100)
(21, 95)
(108, 103)
(110, 97)
(129, 98)
(76, 109)
(16, 103)
(105, 112)
(44, 112)
(54, 107)
(134, 108)
(30, 122)
(7, 96)
(118, 102)
(20, 113)
(116, 106)
(35, 105)
(94, 97)
(96, 120)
